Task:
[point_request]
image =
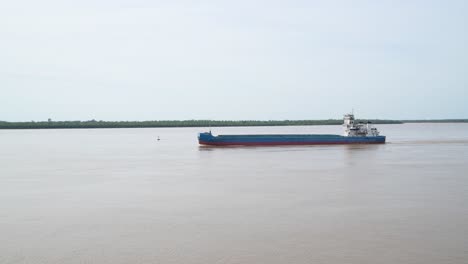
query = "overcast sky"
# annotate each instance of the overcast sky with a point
(151, 60)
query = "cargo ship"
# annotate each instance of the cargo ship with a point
(360, 133)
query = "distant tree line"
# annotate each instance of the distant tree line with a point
(436, 121)
(174, 123)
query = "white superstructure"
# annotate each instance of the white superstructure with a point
(358, 130)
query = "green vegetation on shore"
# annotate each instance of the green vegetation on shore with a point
(197, 123)
(436, 121)
(173, 123)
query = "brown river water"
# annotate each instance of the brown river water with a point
(121, 196)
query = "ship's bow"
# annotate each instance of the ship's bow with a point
(205, 138)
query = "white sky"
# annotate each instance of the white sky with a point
(150, 60)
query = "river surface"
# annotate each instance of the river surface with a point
(121, 196)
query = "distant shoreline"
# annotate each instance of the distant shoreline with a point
(199, 123)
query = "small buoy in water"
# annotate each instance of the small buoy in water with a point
(158, 138)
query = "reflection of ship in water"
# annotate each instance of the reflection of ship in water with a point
(353, 134)
(360, 156)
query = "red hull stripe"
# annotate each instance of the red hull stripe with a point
(281, 143)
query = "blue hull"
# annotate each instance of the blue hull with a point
(278, 140)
